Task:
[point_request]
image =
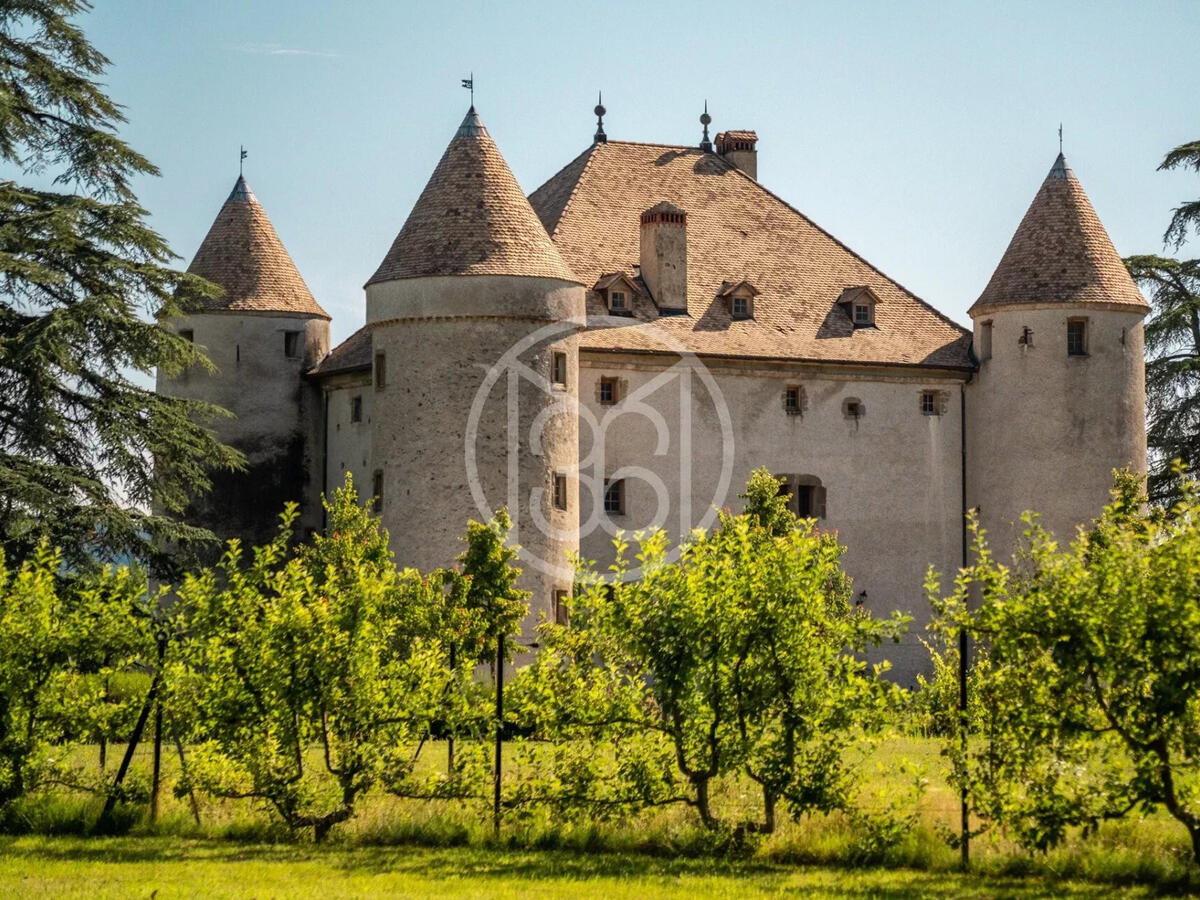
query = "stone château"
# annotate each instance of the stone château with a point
(620, 348)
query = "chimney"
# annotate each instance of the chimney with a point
(664, 256)
(738, 148)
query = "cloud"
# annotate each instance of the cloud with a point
(280, 50)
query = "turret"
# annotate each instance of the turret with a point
(473, 318)
(1059, 398)
(262, 333)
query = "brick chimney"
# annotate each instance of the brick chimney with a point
(738, 147)
(664, 256)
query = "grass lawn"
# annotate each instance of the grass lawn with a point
(163, 867)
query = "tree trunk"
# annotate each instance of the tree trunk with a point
(702, 802)
(156, 776)
(769, 801)
(183, 774)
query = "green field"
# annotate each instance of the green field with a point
(165, 868)
(409, 848)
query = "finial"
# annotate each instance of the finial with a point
(600, 137)
(1060, 138)
(469, 84)
(241, 159)
(705, 119)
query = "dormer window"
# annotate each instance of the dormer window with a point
(859, 304)
(740, 297)
(617, 291)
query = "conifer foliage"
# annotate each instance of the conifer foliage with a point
(85, 449)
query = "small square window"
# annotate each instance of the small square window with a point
(853, 408)
(562, 615)
(614, 496)
(617, 300)
(862, 314)
(929, 403)
(558, 368)
(560, 491)
(380, 371)
(291, 344)
(356, 408)
(188, 335)
(1076, 337)
(741, 307)
(608, 391)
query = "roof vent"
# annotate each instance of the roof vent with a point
(738, 147)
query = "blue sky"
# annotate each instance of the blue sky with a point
(917, 133)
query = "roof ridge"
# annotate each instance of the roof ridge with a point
(866, 262)
(590, 152)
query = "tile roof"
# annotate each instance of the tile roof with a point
(1060, 253)
(243, 254)
(351, 354)
(472, 219)
(737, 231)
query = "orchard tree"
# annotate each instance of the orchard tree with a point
(738, 654)
(60, 641)
(309, 675)
(85, 447)
(1086, 701)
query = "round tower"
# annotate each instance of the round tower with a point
(263, 333)
(473, 318)
(1059, 398)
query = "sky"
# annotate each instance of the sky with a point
(916, 133)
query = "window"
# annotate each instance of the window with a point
(862, 314)
(377, 491)
(741, 307)
(853, 408)
(558, 368)
(356, 408)
(618, 303)
(1026, 338)
(560, 491)
(1077, 337)
(929, 403)
(607, 391)
(793, 400)
(291, 344)
(188, 335)
(614, 496)
(985, 341)
(806, 495)
(380, 371)
(562, 615)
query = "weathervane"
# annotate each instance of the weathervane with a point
(705, 143)
(1060, 138)
(469, 84)
(241, 159)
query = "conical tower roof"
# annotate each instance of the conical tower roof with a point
(243, 254)
(472, 219)
(1060, 253)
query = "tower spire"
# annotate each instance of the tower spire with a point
(241, 159)
(705, 119)
(600, 137)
